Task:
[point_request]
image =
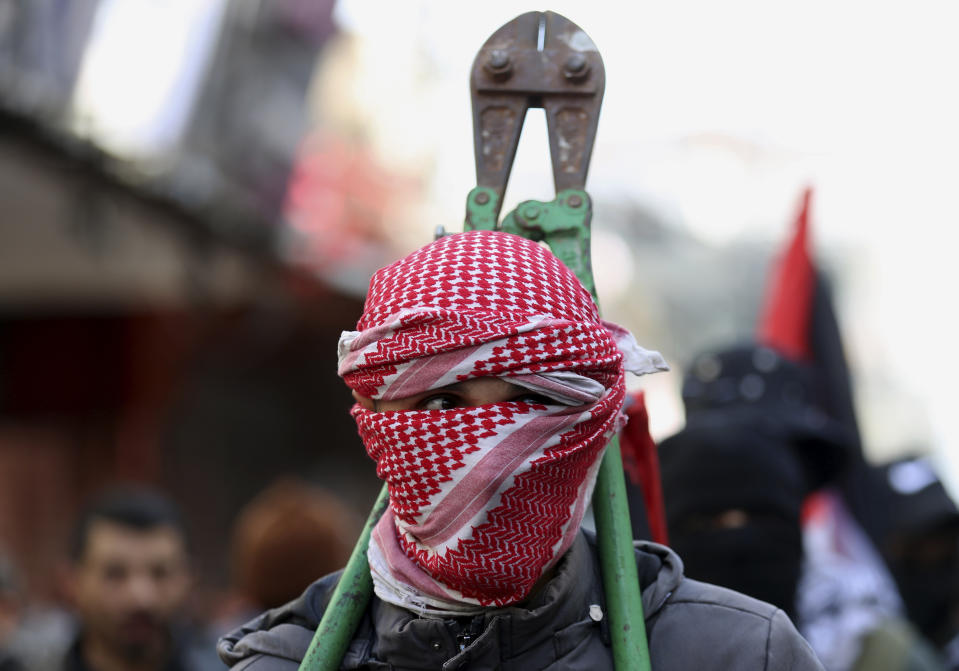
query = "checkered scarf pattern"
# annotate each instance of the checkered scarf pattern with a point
(483, 500)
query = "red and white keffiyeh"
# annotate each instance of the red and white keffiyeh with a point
(483, 500)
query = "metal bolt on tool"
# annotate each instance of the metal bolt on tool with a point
(531, 212)
(498, 64)
(577, 66)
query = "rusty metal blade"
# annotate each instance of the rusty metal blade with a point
(566, 77)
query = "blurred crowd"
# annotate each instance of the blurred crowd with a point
(128, 580)
(767, 496)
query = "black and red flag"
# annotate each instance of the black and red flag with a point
(798, 320)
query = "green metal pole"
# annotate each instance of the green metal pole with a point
(624, 601)
(348, 603)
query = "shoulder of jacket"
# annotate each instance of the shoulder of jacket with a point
(693, 592)
(282, 634)
(754, 629)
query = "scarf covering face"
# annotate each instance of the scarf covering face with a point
(483, 500)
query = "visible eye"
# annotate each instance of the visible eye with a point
(114, 572)
(160, 572)
(535, 399)
(438, 402)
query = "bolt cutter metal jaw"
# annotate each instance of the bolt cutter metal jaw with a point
(539, 59)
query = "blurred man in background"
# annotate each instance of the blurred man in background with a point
(284, 538)
(918, 531)
(129, 580)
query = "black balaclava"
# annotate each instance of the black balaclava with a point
(735, 478)
(733, 498)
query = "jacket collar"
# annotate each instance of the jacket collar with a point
(507, 633)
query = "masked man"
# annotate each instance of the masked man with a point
(917, 524)
(735, 478)
(487, 388)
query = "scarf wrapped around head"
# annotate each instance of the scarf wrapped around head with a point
(483, 500)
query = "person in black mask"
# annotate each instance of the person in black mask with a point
(917, 528)
(733, 499)
(735, 477)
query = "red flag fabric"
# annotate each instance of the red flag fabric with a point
(784, 319)
(641, 463)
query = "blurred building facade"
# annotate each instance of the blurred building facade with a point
(151, 326)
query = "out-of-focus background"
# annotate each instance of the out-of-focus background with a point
(194, 195)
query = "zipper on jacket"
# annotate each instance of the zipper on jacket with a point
(465, 632)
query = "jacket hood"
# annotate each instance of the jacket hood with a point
(660, 574)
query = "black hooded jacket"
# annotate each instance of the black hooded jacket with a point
(690, 626)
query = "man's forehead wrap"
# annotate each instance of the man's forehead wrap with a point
(486, 304)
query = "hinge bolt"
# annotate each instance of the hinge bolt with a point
(577, 66)
(498, 64)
